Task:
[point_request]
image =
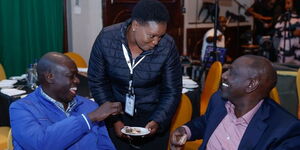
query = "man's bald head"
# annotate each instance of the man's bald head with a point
(261, 68)
(248, 80)
(50, 62)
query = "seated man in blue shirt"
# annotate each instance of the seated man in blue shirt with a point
(54, 117)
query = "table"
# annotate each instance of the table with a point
(194, 96)
(5, 101)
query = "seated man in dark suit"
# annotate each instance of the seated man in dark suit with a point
(240, 115)
(54, 117)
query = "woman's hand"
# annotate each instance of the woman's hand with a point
(152, 126)
(118, 126)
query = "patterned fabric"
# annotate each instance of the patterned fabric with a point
(59, 104)
(289, 45)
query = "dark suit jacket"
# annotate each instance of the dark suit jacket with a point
(272, 127)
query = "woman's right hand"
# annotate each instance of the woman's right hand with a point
(118, 126)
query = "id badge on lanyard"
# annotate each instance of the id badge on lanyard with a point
(130, 97)
(129, 105)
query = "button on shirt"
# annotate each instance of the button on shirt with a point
(228, 134)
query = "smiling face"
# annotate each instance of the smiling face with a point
(147, 35)
(64, 81)
(236, 79)
(248, 80)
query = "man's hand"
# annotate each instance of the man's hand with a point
(178, 138)
(118, 126)
(105, 110)
(152, 126)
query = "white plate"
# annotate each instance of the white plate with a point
(23, 76)
(185, 77)
(12, 92)
(6, 86)
(143, 131)
(7, 81)
(184, 90)
(82, 69)
(190, 86)
(188, 81)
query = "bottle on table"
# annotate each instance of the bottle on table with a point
(31, 77)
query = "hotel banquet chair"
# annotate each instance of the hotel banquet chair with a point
(183, 113)
(287, 91)
(9, 141)
(79, 61)
(298, 91)
(3, 137)
(2, 73)
(274, 95)
(211, 85)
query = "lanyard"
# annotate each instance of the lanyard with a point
(131, 67)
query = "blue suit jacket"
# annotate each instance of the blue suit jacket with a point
(272, 127)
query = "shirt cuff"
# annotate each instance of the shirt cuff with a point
(188, 131)
(87, 120)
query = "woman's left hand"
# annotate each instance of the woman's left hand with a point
(152, 126)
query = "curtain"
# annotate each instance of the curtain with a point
(29, 29)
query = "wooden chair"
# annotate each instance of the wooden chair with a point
(2, 73)
(211, 85)
(79, 61)
(3, 137)
(183, 113)
(274, 95)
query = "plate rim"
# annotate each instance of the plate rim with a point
(141, 134)
(190, 86)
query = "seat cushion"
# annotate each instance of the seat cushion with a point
(3, 137)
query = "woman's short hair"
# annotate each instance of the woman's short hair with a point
(150, 10)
